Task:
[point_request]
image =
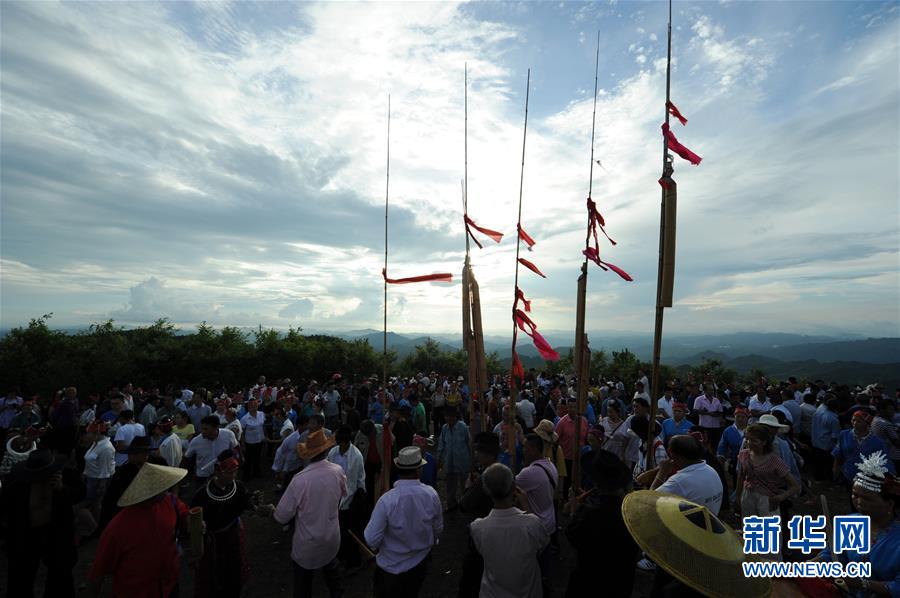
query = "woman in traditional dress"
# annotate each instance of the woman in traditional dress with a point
(224, 568)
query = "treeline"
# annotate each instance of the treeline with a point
(38, 359)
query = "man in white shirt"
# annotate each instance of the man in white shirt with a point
(526, 410)
(759, 404)
(350, 459)
(170, 447)
(207, 447)
(125, 434)
(405, 525)
(332, 409)
(695, 480)
(509, 540)
(640, 392)
(664, 405)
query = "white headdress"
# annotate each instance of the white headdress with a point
(871, 472)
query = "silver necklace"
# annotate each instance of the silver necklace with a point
(225, 497)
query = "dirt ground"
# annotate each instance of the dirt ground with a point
(268, 547)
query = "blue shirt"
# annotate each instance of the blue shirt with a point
(671, 428)
(429, 471)
(825, 429)
(453, 448)
(376, 412)
(589, 414)
(884, 556)
(730, 443)
(852, 452)
(197, 413)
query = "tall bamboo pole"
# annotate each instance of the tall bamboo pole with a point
(513, 389)
(581, 302)
(657, 330)
(385, 484)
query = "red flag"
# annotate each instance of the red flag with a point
(679, 149)
(496, 236)
(664, 182)
(426, 278)
(520, 296)
(595, 221)
(673, 110)
(527, 326)
(591, 254)
(531, 267)
(525, 236)
(517, 369)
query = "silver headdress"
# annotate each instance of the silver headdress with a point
(871, 472)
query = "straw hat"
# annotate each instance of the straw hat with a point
(409, 458)
(150, 481)
(691, 544)
(771, 421)
(316, 444)
(545, 430)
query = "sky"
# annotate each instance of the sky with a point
(225, 162)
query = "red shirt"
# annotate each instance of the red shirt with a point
(566, 430)
(138, 549)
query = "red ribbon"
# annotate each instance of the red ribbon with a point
(527, 326)
(679, 149)
(486, 231)
(531, 267)
(525, 236)
(425, 278)
(595, 221)
(517, 369)
(663, 182)
(673, 110)
(520, 296)
(591, 254)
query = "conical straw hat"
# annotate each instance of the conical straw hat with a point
(150, 481)
(691, 544)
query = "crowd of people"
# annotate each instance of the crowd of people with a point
(365, 471)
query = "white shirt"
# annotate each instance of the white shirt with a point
(698, 483)
(526, 410)
(286, 457)
(100, 460)
(352, 464)
(253, 427)
(207, 451)
(170, 449)
(510, 540)
(126, 433)
(405, 525)
(664, 405)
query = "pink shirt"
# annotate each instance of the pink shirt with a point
(313, 499)
(566, 430)
(714, 406)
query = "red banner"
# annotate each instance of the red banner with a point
(496, 236)
(525, 236)
(520, 296)
(531, 267)
(527, 326)
(673, 110)
(425, 278)
(679, 149)
(591, 254)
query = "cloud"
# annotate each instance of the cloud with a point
(226, 162)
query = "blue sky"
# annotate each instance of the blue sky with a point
(225, 162)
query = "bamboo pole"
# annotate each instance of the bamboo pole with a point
(387, 444)
(481, 359)
(513, 387)
(583, 371)
(657, 329)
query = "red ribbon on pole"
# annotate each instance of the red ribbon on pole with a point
(425, 278)
(525, 237)
(520, 296)
(592, 254)
(673, 110)
(496, 236)
(527, 326)
(679, 149)
(596, 221)
(531, 267)
(517, 368)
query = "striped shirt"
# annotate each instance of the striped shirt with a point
(763, 476)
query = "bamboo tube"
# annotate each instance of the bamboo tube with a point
(195, 528)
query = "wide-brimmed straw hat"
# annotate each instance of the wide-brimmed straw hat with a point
(409, 458)
(544, 429)
(150, 481)
(771, 421)
(691, 544)
(316, 444)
